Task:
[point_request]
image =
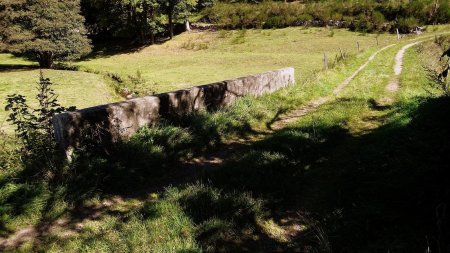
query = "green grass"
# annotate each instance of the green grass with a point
(73, 88)
(355, 164)
(344, 165)
(179, 63)
(7, 60)
(199, 58)
(189, 59)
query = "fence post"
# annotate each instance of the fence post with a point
(325, 60)
(357, 43)
(398, 35)
(342, 54)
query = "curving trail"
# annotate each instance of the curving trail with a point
(311, 106)
(394, 85)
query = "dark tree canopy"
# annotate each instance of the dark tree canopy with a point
(43, 30)
(135, 20)
(176, 10)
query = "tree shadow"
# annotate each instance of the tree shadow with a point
(17, 67)
(382, 191)
(113, 47)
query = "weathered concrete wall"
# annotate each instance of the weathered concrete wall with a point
(120, 120)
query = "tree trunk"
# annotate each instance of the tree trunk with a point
(171, 25)
(45, 60)
(153, 28)
(152, 38)
(144, 21)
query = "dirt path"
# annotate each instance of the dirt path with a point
(216, 158)
(311, 106)
(394, 85)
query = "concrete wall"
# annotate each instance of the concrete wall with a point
(121, 120)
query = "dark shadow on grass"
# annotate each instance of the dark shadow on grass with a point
(383, 191)
(275, 118)
(115, 47)
(17, 67)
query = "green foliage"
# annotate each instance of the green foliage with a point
(177, 10)
(438, 70)
(44, 30)
(367, 16)
(139, 21)
(165, 142)
(201, 4)
(120, 19)
(34, 127)
(139, 85)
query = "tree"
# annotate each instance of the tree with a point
(145, 17)
(177, 9)
(43, 30)
(136, 20)
(202, 4)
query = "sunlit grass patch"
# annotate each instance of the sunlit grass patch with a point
(232, 54)
(73, 88)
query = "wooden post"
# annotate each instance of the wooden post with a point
(357, 43)
(342, 54)
(398, 35)
(377, 41)
(325, 61)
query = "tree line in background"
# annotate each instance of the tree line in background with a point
(144, 21)
(139, 20)
(55, 30)
(364, 16)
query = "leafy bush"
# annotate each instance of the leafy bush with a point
(406, 24)
(34, 127)
(438, 70)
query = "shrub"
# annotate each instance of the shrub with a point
(34, 127)
(405, 25)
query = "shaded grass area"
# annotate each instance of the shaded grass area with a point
(10, 63)
(352, 177)
(373, 192)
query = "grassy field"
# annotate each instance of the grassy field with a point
(337, 168)
(190, 59)
(353, 176)
(199, 58)
(19, 76)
